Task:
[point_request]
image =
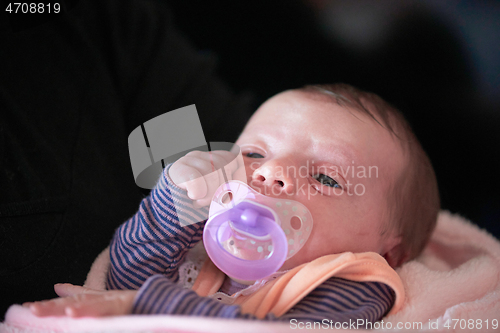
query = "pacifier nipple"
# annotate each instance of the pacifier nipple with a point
(249, 216)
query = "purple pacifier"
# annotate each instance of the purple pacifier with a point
(249, 236)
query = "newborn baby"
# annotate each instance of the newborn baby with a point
(346, 155)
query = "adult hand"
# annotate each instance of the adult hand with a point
(76, 301)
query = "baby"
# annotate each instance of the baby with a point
(346, 155)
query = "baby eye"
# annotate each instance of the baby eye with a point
(254, 155)
(325, 180)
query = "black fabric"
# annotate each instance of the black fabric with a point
(72, 88)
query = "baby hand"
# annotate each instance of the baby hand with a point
(200, 173)
(76, 301)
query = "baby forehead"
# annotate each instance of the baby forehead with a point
(368, 109)
(294, 112)
(338, 102)
(316, 103)
(302, 110)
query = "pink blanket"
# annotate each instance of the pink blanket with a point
(454, 286)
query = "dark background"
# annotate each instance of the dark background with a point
(437, 61)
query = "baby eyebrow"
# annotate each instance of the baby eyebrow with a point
(338, 155)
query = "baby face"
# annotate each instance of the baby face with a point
(336, 161)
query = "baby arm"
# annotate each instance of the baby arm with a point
(154, 241)
(336, 300)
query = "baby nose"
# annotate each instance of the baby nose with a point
(274, 176)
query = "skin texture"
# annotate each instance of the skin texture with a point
(304, 132)
(298, 146)
(76, 301)
(199, 173)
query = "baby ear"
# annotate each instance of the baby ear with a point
(394, 252)
(396, 256)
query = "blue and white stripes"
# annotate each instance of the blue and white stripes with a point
(153, 241)
(148, 249)
(337, 299)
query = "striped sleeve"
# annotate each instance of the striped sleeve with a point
(153, 241)
(336, 300)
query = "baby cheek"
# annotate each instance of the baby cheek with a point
(241, 175)
(251, 166)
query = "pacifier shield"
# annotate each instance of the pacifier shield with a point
(253, 232)
(292, 216)
(245, 241)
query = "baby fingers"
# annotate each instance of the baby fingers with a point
(54, 307)
(68, 289)
(107, 303)
(45, 308)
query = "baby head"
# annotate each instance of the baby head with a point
(353, 161)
